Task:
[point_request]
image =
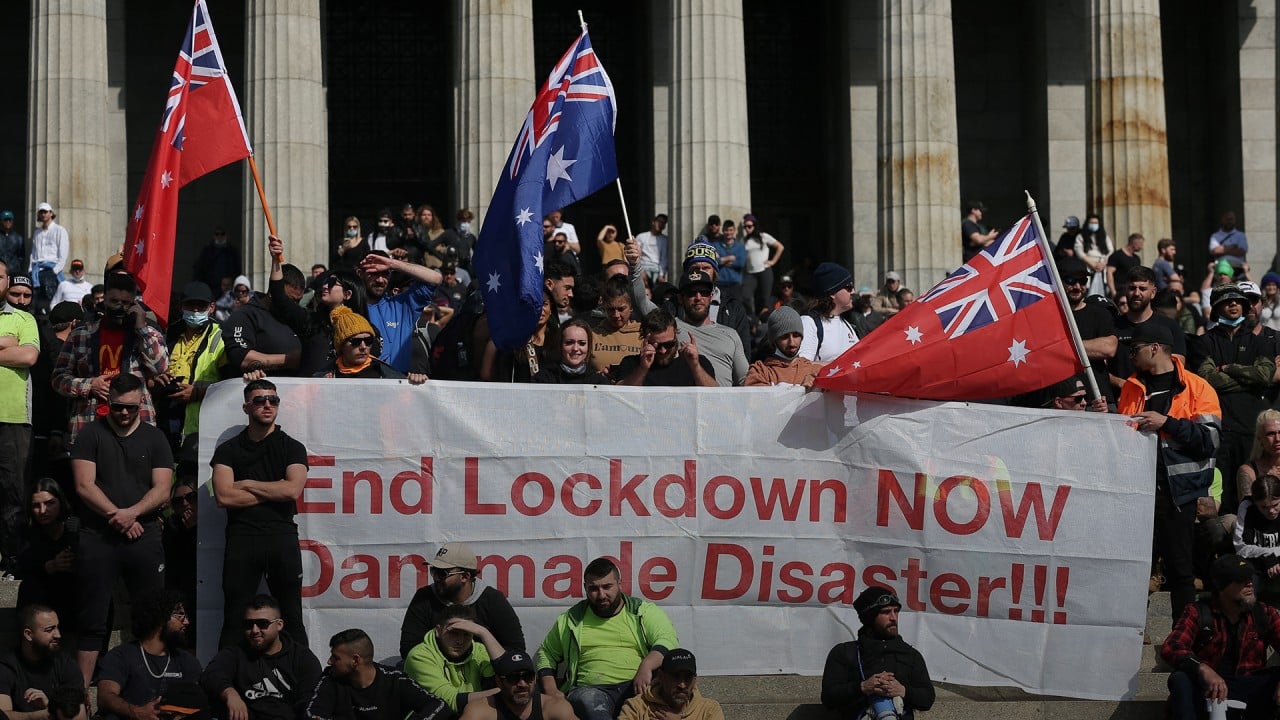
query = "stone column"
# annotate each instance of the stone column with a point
(117, 135)
(864, 45)
(284, 110)
(919, 155)
(1128, 156)
(1257, 20)
(710, 151)
(66, 136)
(660, 72)
(493, 86)
(1066, 81)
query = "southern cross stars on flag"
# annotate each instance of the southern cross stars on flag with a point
(201, 130)
(564, 152)
(992, 328)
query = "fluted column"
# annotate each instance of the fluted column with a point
(1257, 22)
(710, 153)
(1128, 148)
(284, 108)
(493, 85)
(66, 136)
(919, 156)
(1066, 89)
(863, 49)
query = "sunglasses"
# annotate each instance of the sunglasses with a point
(666, 346)
(124, 407)
(1082, 281)
(333, 280)
(519, 677)
(441, 573)
(262, 400)
(360, 341)
(178, 614)
(241, 293)
(697, 292)
(1077, 399)
(1138, 348)
(260, 623)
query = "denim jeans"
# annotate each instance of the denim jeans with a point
(599, 702)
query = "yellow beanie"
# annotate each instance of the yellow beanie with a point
(347, 323)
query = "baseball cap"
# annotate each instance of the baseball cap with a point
(1071, 223)
(44, 206)
(891, 275)
(65, 312)
(1250, 289)
(6, 215)
(1151, 332)
(1230, 569)
(77, 264)
(695, 277)
(512, 661)
(198, 291)
(454, 555)
(679, 660)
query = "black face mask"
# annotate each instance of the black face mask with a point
(116, 316)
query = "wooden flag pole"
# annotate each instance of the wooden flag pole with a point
(262, 198)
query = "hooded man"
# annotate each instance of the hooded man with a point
(878, 670)
(453, 661)
(784, 366)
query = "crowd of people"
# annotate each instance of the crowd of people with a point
(99, 428)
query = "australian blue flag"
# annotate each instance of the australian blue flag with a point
(564, 153)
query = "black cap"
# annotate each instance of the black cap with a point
(679, 660)
(872, 601)
(1072, 267)
(713, 220)
(1151, 332)
(695, 277)
(1230, 569)
(512, 661)
(197, 291)
(65, 312)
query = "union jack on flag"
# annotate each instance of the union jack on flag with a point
(1007, 276)
(578, 77)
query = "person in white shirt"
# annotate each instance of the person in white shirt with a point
(763, 252)
(826, 334)
(655, 248)
(50, 248)
(566, 228)
(74, 288)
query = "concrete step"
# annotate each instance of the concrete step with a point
(968, 710)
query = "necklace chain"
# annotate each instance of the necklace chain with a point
(147, 663)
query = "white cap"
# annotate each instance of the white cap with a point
(44, 206)
(891, 275)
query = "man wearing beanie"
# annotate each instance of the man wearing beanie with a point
(674, 693)
(354, 343)
(784, 366)
(1218, 649)
(877, 668)
(827, 335)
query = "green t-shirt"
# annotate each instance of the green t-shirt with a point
(611, 653)
(15, 383)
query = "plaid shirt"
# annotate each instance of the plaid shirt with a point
(77, 366)
(1182, 649)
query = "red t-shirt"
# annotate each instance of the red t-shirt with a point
(110, 349)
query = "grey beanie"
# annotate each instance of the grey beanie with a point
(784, 321)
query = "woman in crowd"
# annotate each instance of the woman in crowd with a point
(1094, 247)
(1269, 313)
(574, 368)
(48, 564)
(1265, 458)
(524, 363)
(353, 246)
(1257, 535)
(826, 334)
(314, 327)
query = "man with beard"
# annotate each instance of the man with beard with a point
(784, 366)
(138, 677)
(674, 693)
(258, 476)
(878, 669)
(518, 697)
(394, 315)
(19, 351)
(1218, 649)
(354, 687)
(123, 470)
(456, 581)
(600, 640)
(99, 350)
(656, 366)
(453, 662)
(1141, 290)
(267, 675)
(1097, 327)
(20, 295)
(29, 675)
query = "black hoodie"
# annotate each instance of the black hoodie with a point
(276, 686)
(850, 662)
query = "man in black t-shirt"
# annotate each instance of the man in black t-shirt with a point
(1141, 284)
(663, 361)
(973, 234)
(123, 469)
(1121, 262)
(354, 687)
(1096, 325)
(258, 476)
(30, 674)
(153, 670)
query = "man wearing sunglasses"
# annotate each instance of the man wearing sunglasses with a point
(663, 361)
(456, 581)
(1096, 324)
(518, 695)
(123, 469)
(878, 670)
(674, 693)
(138, 677)
(258, 476)
(267, 675)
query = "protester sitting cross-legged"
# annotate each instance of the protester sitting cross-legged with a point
(784, 366)
(575, 366)
(453, 661)
(518, 697)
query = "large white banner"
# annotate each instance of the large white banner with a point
(1019, 541)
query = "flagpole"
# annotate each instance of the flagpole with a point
(262, 198)
(1061, 294)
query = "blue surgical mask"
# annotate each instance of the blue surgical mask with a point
(464, 228)
(1091, 227)
(195, 319)
(1231, 323)
(352, 232)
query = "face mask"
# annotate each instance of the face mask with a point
(784, 356)
(464, 228)
(1091, 227)
(116, 316)
(352, 232)
(195, 319)
(1231, 323)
